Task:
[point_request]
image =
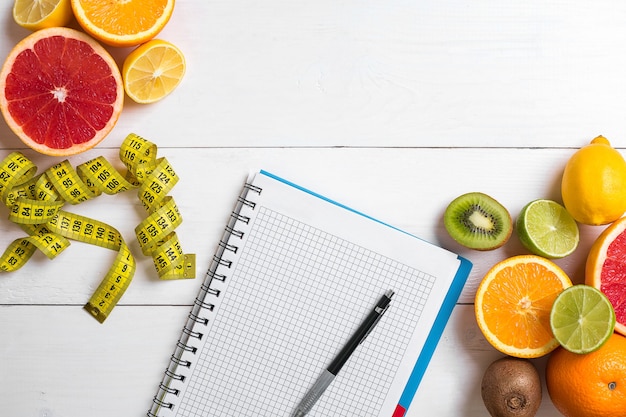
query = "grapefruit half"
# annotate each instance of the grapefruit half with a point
(606, 268)
(61, 92)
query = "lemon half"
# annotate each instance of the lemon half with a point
(40, 14)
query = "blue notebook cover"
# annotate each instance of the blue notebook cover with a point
(433, 337)
(292, 276)
(440, 322)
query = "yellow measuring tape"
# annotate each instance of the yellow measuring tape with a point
(35, 203)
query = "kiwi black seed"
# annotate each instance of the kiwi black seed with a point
(478, 221)
(511, 387)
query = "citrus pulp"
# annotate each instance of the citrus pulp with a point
(513, 303)
(60, 91)
(123, 23)
(545, 228)
(582, 319)
(606, 268)
(39, 14)
(152, 71)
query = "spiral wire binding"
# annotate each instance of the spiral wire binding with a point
(201, 305)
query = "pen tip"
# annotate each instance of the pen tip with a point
(389, 293)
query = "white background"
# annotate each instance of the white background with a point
(393, 108)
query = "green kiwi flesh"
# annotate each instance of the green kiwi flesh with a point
(478, 221)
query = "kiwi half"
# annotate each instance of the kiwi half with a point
(478, 221)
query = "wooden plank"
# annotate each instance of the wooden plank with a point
(57, 363)
(408, 188)
(399, 73)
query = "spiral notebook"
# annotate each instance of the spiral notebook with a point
(292, 278)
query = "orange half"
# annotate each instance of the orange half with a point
(123, 23)
(513, 304)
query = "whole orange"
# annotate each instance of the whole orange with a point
(589, 385)
(593, 186)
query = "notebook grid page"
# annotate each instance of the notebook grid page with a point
(294, 298)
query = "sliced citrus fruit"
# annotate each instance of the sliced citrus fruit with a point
(60, 91)
(123, 23)
(39, 14)
(513, 303)
(545, 228)
(152, 71)
(582, 319)
(606, 269)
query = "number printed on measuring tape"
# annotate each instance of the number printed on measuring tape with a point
(36, 203)
(113, 285)
(14, 170)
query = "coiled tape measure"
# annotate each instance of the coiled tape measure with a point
(35, 203)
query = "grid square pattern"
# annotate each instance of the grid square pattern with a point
(294, 297)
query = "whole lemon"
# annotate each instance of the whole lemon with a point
(594, 183)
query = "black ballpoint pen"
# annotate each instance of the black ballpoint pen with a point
(324, 380)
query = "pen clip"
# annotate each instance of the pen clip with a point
(388, 294)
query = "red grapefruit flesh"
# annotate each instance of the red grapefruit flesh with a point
(61, 92)
(606, 269)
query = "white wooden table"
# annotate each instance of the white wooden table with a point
(392, 107)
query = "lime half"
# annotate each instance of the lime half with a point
(547, 229)
(582, 318)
